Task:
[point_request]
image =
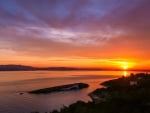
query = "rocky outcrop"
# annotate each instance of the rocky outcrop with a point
(68, 87)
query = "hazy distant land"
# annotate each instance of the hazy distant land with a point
(31, 68)
(14, 67)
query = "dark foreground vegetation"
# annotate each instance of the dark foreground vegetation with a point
(69, 87)
(123, 95)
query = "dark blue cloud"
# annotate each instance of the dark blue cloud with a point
(79, 15)
(64, 13)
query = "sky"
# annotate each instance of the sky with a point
(76, 33)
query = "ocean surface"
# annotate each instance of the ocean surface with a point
(13, 83)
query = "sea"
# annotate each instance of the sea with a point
(14, 87)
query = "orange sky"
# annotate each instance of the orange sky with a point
(76, 33)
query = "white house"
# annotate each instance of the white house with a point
(133, 83)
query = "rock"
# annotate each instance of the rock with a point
(21, 93)
(68, 87)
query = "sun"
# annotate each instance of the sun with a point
(124, 65)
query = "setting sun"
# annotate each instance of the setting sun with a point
(125, 66)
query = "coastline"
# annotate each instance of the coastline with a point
(123, 95)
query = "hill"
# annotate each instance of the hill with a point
(30, 68)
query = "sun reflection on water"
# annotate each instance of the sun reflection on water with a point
(124, 73)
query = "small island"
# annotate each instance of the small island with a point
(68, 87)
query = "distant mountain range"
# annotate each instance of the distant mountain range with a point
(16, 68)
(30, 68)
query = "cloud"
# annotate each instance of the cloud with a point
(110, 28)
(64, 36)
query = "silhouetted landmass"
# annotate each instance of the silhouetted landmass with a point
(16, 68)
(30, 68)
(68, 87)
(123, 95)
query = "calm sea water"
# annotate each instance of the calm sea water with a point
(12, 83)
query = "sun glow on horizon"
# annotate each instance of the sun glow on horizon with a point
(125, 65)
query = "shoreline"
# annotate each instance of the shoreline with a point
(122, 95)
